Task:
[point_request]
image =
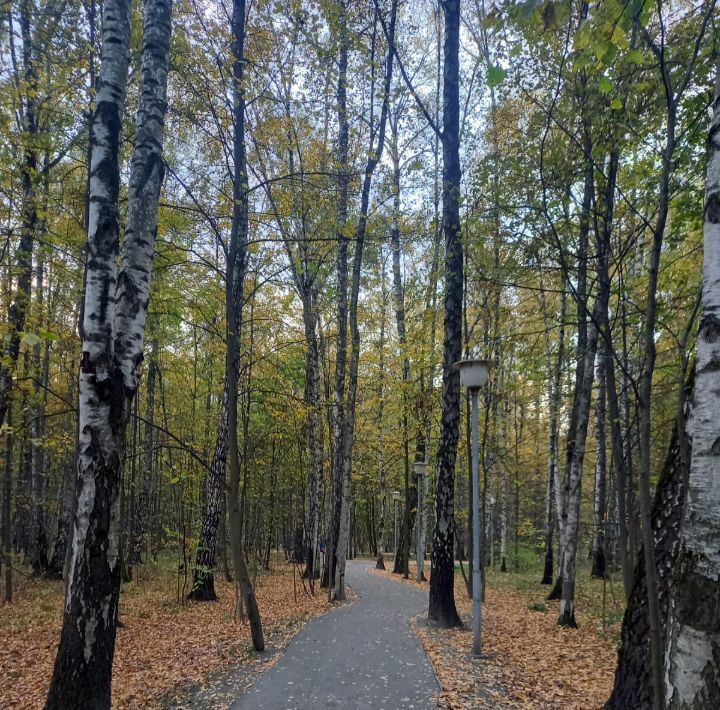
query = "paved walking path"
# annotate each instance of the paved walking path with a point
(359, 656)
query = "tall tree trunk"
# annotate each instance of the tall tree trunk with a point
(599, 562)
(402, 555)
(112, 348)
(234, 301)
(380, 423)
(574, 481)
(555, 368)
(140, 521)
(40, 366)
(20, 304)
(376, 146)
(315, 433)
(581, 299)
(442, 609)
(504, 491)
(65, 533)
(693, 632)
(7, 510)
(338, 409)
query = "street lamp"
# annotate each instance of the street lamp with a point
(396, 497)
(421, 472)
(473, 376)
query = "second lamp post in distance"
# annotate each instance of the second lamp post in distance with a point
(421, 472)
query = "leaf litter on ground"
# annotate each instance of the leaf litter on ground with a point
(163, 646)
(530, 662)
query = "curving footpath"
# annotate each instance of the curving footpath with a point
(359, 656)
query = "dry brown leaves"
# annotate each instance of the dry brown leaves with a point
(533, 663)
(162, 643)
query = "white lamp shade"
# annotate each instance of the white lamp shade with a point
(473, 373)
(396, 496)
(421, 468)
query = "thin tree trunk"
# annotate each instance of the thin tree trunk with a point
(337, 411)
(599, 564)
(377, 144)
(20, 304)
(39, 545)
(140, 520)
(315, 433)
(234, 301)
(574, 482)
(380, 422)
(402, 556)
(7, 508)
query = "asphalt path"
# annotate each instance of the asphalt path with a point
(359, 656)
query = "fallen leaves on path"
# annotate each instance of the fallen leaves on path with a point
(163, 644)
(533, 663)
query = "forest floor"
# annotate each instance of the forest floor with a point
(532, 662)
(166, 645)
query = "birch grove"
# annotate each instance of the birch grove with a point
(240, 262)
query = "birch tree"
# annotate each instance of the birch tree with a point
(234, 301)
(442, 607)
(376, 144)
(113, 330)
(692, 651)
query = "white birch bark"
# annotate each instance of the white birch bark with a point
(692, 654)
(89, 624)
(113, 329)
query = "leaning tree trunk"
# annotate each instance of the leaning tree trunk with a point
(112, 348)
(442, 609)
(693, 631)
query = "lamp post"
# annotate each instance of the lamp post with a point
(421, 472)
(474, 375)
(396, 497)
